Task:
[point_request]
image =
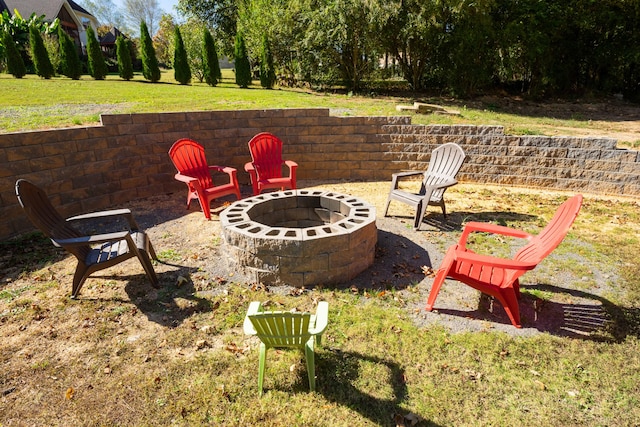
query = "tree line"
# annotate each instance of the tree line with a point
(45, 49)
(462, 47)
(459, 47)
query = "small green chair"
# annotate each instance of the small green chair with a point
(278, 329)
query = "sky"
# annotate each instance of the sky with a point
(166, 5)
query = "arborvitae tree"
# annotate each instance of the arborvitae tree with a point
(70, 61)
(125, 66)
(133, 50)
(97, 65)
(15, 64)
(181, 69)
(39, 54)
(267, 72)
(150, 68)
(243, 68)
(211, 65)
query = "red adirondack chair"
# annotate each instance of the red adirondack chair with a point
(266, 166)
(499, 277)
(189, 159)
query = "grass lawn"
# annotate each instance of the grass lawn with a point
(125, 354)
(34, 103)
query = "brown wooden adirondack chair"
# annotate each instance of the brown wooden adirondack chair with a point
(278, 329)
(94, 252)
(499, 277)
(444, 165)
(189, 159)
(266, 166)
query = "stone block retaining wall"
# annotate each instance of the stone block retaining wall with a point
(93, 168)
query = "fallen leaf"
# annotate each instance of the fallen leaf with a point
(181, 281)
(233, 348)
(412, 418)
(296, 291)
(428, 271)
(69, 394)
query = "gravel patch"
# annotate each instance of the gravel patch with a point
(402, 257)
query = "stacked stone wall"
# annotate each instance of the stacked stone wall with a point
(93, 168)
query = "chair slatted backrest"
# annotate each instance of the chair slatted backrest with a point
(45, 217)
(189, 159)
(552, 235)
(266, 155)
(445, 162)
(282, 329)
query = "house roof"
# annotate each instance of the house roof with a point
(48, 8)
(76, 6)
(111, 36)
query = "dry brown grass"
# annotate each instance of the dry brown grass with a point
(126, 354)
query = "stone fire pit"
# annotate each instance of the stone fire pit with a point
(300, 237)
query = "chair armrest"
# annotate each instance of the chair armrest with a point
(248, 167)
(322, 318)
(107, 214)
(100, 214)
(406, 173)
(444, 184)
(223, 169)
(472, 257)
(293, 166)
(485, 227)
(89, 240)
(185, 178)
(247, 326)
(396, 177)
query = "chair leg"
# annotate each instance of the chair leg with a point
(311, 365)
(143, 256)
(261, 367)
(152, 251)
(444, 210)
(442, 273)
(386, 209)
(79, 278)
(204, 204)
(509, 300)
(421, 209)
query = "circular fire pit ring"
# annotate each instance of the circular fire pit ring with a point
(300, 237)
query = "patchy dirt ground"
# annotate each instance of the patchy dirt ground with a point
(191, 247)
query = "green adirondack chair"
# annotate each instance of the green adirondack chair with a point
(278, 329)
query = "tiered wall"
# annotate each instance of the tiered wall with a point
(92, 168)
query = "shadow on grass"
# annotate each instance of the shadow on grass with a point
(26, 253)
(590, 316)
(173, 302)
(168, 305)
(338, 376)
(398, 263)
(455, 220)
(584, 316)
